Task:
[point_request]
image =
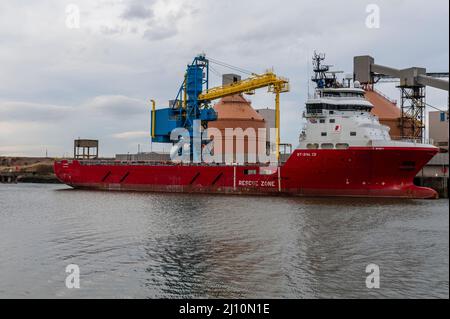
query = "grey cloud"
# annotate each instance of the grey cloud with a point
(29, 128)
(106, 30)
(159, 33)
(94, 81)
(103, 105)
(131, 135)
(33, 112)
(117, 105)
(137, 11)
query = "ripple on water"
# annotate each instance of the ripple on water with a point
(142, 245)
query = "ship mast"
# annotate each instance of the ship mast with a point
(323, 77)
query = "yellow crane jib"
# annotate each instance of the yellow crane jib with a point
(274, 83)
(268, 79)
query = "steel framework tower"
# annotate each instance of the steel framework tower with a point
(412, 105)
(412, 85)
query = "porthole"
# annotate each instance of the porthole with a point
(327, 146)
(342, 146)
(312, 146)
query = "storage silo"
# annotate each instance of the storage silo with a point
(236, 112)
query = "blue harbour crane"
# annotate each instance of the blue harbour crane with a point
(192, 102)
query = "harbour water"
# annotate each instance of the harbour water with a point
(143, 245)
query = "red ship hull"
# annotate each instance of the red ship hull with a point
(357, 171)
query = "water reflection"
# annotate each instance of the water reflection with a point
(138, 245)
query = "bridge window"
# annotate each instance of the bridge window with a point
(352, 94)
(318, 107)
(331, 94)
(323, 134)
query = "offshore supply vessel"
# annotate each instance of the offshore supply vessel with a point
(343, 149)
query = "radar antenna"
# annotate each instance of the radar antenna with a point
(323, 77)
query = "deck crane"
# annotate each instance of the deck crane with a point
(193, 102)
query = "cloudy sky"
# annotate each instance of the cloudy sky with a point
(63, 78)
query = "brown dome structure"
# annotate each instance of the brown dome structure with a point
(236, 112)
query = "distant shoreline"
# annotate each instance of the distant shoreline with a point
(18, 169)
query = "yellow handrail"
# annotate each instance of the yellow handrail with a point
(153, 117)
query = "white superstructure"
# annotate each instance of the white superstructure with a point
(339, 118)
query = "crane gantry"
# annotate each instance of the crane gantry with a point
(269, 79)
(193, 102)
